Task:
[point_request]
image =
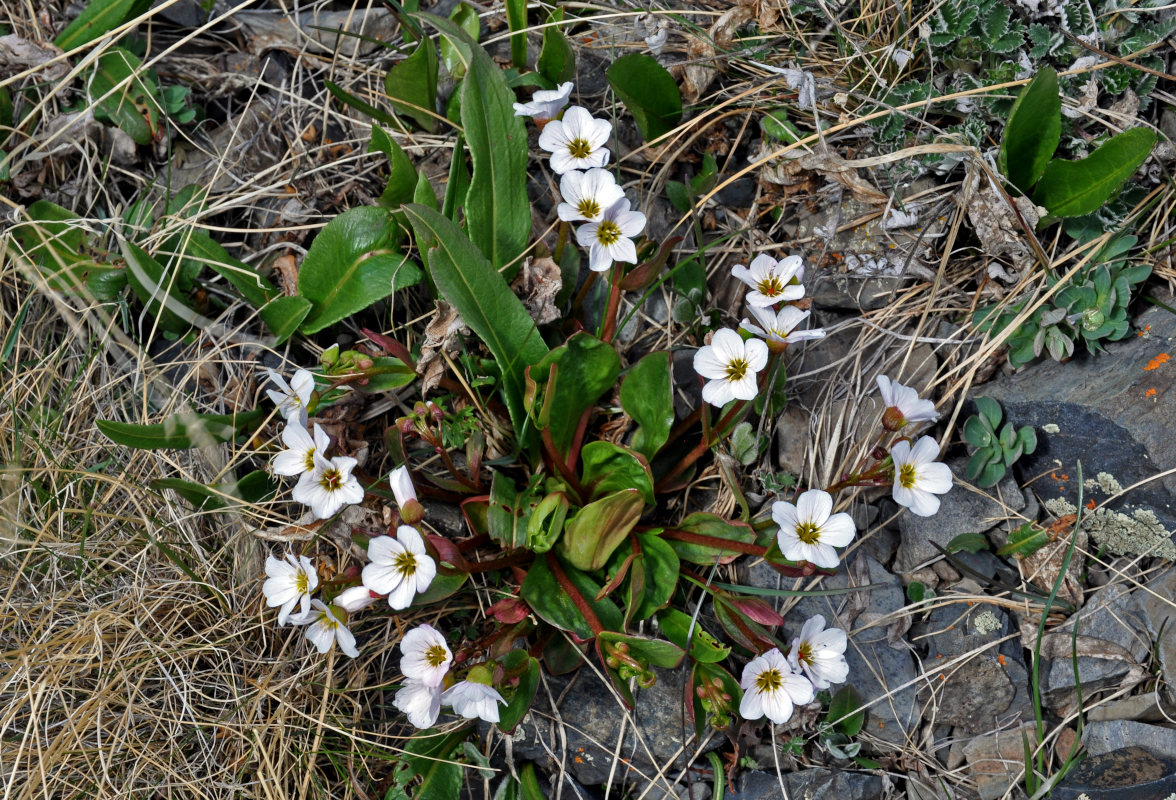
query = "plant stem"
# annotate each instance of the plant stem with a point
(614, 302)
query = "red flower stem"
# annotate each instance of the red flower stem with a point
(614, 303)
(577, 599)
(714, 541)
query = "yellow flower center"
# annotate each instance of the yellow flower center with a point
(435, 655)
(589, 208)
(768, 681)
(331, 480)
(737, 369)
(608, 233)
(579, 148)
(808, 533)
(309, 461)
(804, 653)
(770, 286)
(301, 582)
(406, 564)
(906, 476)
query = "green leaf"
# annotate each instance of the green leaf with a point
(481, 295)
(402, 175)
(98, 18)
(775, 125)
(1033, 131)
(516, 18)
(181, 431)
(1074, 188)
(609, 468)
(509, 511)
(53, 240)
(547, 522)
(647, 396)
(253, 488)
(458, 185)
(352, 263)
(846, 712)
(444, 585)
(548, 599)
(598, 528)
(429, 756)
(916, 591)
(412, 86)
(1024, 540)
(967, 542)
(991, 475)
(716, 528)
(557, 59)
(980, 461)
(124, 94)
(584, 368)
(158, 291)
(467, 18)
(200, 247)
(745, 444)
(347, 98)
(283, 315)
(675, 626)
(652, 652)
(512, 714)
(1027, 438)
(649, 92)
(661, 567)
(990, 410)
(976, 433)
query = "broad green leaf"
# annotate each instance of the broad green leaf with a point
(716, 529)
(200, 247)
(649, 92)
(465, 16)
(676, 626)
(990, 410)
(445, 584)
(481, 295)
(423, 194)
(123, 93)
(1027, 539)
(458, 185)
(347, 98)
(402, 175)
(647, 396)
(554, 605)
(352, 263)
(54, 241)
(283, 315)
(661, 567)
(609, 468)
(546, 522)
(412, 86)
(252, 488)
(846, 712)
(1074, 188)
(509, 511)
(742, 629)
(585, 368)
(967, 542)
(157, 290)
(510, 715)
(1033, 131)
(516, 18)
(387, 373)
(429, 756)
(774, 123)
(590, 536)
(975, 432)
(557, 59)
(98, 18)
(181, 431)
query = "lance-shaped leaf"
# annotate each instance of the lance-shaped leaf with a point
(182, 431)
(1074, 188)
(648, 397)
(676, 626)
(743, 630)
(412, 86)
(567, 382)
(609, 468)
(402, 175)
(560, 602)
(649, 92)
(845, 711)
(509, 511)
(518, 665)
(252, 488)
(597, 529)
(658, 566)
(702, 538)
(546, 522)
(1033, 131)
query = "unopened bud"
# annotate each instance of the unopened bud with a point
(412, 512)
(892, 419)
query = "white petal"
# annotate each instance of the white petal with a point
(598, 258)
(631, 223)
(426, 571)
(828, 642)
(745, 388)
(923, 504)
(420, 703)
(623, 250)
(708, 364)
(346, 641)
(355, 598)
(885, 390)
(296, 437)
(824, 556)
(777, 706)
(562, 161)
(384, 549)
(762, 266)
(553, 138)
(741, 273)
(838, 530)
(290, 462)
(321, 636)
(275, 567)
(756, 299)
(577, 122)
(728, 345)
(798, 689)
(935, 478)
(812, 627)
(785, 515)
(410, 537)
(402, 488)
(926, 450)
(751, 706)
(586, 234)
(814, 506)
(402, 596)
(718, 393)
(381, 578)
(900, 452)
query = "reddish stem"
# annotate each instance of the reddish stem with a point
(614, 303)
(577, 599)
(714, 541)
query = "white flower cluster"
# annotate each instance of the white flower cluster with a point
(917, 476)
(400, 569)
(425, 661)
(731, 364)
(590, 192)
(774, 684)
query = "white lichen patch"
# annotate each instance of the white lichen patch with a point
(986, 622)
(1050, 427)
(1137, 535)
(1104, 482)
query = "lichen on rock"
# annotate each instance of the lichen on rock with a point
(1140, 534)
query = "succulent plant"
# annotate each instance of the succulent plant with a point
(994, 452)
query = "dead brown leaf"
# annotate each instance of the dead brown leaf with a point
(537, 284)
(444, 335)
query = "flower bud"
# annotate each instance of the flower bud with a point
(892, 419)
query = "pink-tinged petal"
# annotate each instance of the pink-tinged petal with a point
(718, 393)
(402, 596)
(623, 250)
(756, 353)
(381, 578)
(838, 530)
(814, 506)
(707, 363)
(923, 504)
(785, 515)
(935, 477)
(926, 450)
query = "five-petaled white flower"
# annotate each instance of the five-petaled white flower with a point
(426, 656)
(326, 628)
(820, 653)
(290, 583)
(730, 365)
(298, 457)
(546, 103)
(421, 702)
(329, 486)
(292, 398)
(771, 688)
(903, 405)
(587, 195)
(610, 239)
(809, 530)
(918, 477)
(576, 141)
(473, 700)
(411, 510)
(770, 280)
(778, 327)
(400, 567)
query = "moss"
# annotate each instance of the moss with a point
(1136, 535)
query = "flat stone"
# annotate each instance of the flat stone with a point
(960, 511)
(855, 292)
(1157, 604)
(1139, 707)
(1106, 737)
(1131, 773)
(810, 784)
(994, 760)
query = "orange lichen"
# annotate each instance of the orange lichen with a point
(1150, 392)
(1090, 504)
(1155, 362)
(1000, 659)
(1146, 330)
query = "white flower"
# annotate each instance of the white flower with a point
(656, 42)
(610, 238)
(546, 103)
(809, 531)
(903, 405)
(400, 567)
(576, 141)
(473, 700)
(778, 326)
(420, 702)
(293, 397)
(411, 510)
(326, 629)
(730, 365)
(298, 457)
(354, 599)
(917, 477)
(587, 195)
(290, 583)
(329, 486)
(426, 655)
(770, 279)
(820, 653)
(771, 688)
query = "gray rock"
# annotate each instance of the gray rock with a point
(960, 511)
(855, 292)
(1106, 737)
(1112, 614)
(1139, 707)
(1161, 622)
(593, 719)
(810, 784)
(1106, 415)
(1132, 773)
(994, 760)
